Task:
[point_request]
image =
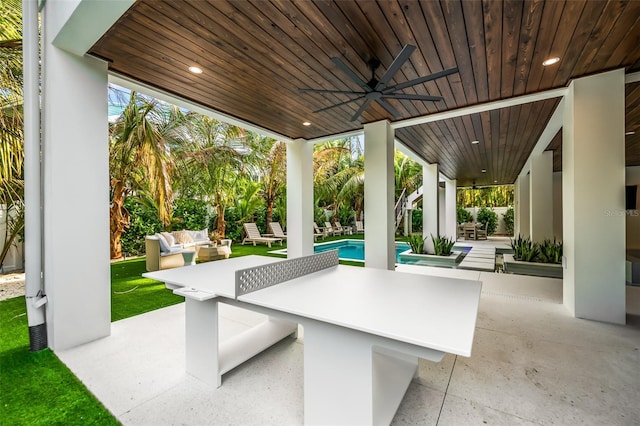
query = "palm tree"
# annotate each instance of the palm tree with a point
(272, 168)
(211, 162)
(408, 173)
(139, 159)
(11, 125)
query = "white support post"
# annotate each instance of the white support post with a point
(541, 197)
(76, 191)
(521, 210)
(379, 247)
(593, 181)
(299, 198)
(430, 205)
(451, 213)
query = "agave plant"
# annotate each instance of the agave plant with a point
(442, 246)
(550, 252)
(524, 249)
(416, 242)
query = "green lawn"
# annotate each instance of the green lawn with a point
(38, 389)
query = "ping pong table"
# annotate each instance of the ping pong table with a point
(364, 328)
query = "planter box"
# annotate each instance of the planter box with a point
(549, 270)
(450, 261)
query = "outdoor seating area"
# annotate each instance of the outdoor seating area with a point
(165, 250)
(473, 231)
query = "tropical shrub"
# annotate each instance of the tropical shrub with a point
(442, 246)
(508, 218)
(416, 220)
(189, 213)
(550, 252)
(416, 242)
(464, 215)
(144, 221)
(489, 219)
(346, 215)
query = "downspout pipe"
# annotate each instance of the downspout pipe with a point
(34, 290)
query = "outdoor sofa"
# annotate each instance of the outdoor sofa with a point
(164, 250)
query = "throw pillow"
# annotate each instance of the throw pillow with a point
(170, 240)
(164, 245)
(183, 237)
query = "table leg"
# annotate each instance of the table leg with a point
(348, 380)
(202, 341)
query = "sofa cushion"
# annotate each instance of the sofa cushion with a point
(169, 237)
(183, 237)
(199, 236)
(164, 244)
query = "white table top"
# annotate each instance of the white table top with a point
(428, 311)
(435, 312)
(217, 278)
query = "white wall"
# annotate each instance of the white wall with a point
(633, 216)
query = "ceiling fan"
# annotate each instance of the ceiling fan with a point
(377, 90)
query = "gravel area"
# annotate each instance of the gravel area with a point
(11, 285)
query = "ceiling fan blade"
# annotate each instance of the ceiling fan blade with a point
(413, 97)
(420, 80)
(340, 104)
(351, 74)
(395, 65)
(344, 92)
(386, 105)
(361, 109)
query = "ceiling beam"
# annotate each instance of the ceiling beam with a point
(475, 109)
(550, 131)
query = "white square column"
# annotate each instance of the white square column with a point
(451, 212)
(521, 207)
(76, 192)
(299, 198)
(379, 188)
(541, 197)
(430, 204)
(593, 197)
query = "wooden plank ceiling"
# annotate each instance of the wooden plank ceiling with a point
(257, 54)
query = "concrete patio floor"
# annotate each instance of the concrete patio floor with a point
(532, 363)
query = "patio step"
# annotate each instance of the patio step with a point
(480, 259)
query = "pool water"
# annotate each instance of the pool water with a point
(353, 249)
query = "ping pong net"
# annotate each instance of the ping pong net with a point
(263, 276)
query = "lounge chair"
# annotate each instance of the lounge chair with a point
(359, 227)
(331, 230)
(277, 231)
(253, 236)
(346, 230)
(318, 232)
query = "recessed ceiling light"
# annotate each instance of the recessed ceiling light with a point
(630, 133)
(475, 142)
(306, 123)
(195, 70)
(484, 170)
(551, 61)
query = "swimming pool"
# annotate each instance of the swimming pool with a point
(353, 249)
